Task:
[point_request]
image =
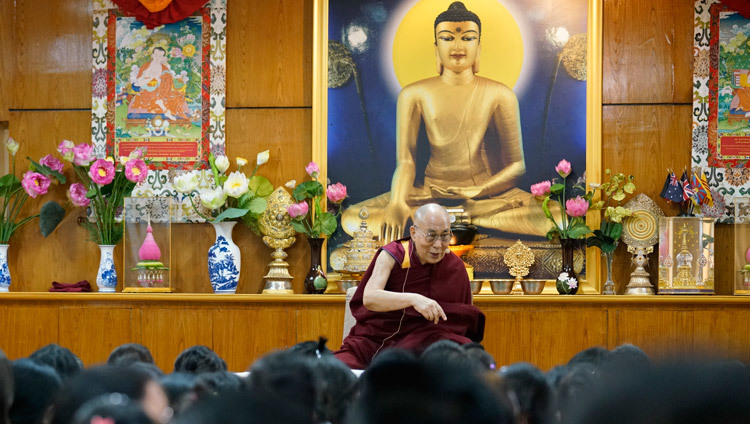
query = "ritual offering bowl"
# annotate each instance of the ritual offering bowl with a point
(533, 286)
(501, 286)
(463, 234)
(345, 285)
(476, 286)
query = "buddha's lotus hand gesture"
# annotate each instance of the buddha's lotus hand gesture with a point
(455, 192)
(394, 221)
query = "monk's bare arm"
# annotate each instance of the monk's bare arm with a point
(376, 298)
(507, 120)
(408, 119)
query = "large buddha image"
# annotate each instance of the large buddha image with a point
(459, 138)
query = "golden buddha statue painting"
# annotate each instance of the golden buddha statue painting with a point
(468, 109)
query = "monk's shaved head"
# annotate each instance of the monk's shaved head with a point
(431, 211)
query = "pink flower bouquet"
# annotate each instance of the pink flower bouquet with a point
(572, 221)
(308, 216)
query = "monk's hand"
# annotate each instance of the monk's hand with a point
(394, 221)
(430, 310)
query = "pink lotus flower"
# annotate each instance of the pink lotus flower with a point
(102, 172)
(77, 194)
(336, 192)
(35, 183)
(136, 170)
(83, 154)
(297, 210)
(541, 189)
(52, 162)
(66, 150)
(312, 169)
(563, 168)
(576, 207)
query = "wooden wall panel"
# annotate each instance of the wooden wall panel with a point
(316, 322)
(661, 334)
(52, 54)
(242, 336)
(647, 47)
(645, 140)
(269, 53)
(6, 52)
(81, 331)
(26, 329)
(543, 337)
(723, 333)
(169, 331)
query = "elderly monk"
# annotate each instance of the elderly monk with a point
(475, 150)
(414, 293)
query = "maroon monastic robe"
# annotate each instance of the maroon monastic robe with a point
(446, 282)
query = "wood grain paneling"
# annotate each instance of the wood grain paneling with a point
(169, 331)
(242, 336)
(52, 54)
(81, 331)
(661, 334)
(647, 47)
(6, 53)
(645, 141)
(269, 53)
(26, 329)
(722, 333)
(320, 321)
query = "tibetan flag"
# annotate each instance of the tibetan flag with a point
(687, 189)
(701, 192)
(672, 189)
(709, 199)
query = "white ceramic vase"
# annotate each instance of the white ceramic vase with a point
(106, 276)
(4, 272)
(224, 259)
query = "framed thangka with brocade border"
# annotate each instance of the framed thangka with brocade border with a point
(162, 88)
(721, 105)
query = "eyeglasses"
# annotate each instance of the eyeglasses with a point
(432, 236)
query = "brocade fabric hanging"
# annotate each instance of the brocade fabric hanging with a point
(172, 11)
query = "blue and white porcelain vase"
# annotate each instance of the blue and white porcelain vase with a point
(4, 272)
(224, 259)
(106, 276)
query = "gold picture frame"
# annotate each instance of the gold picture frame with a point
(593, 283)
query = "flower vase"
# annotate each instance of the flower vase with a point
(315, 280)
(609, 285)
(106, 276)
(224, 259)
(563, 287)
(4, 272)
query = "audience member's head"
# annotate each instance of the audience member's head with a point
(529, 393)
(180, 389)
(35, 388)
(94, 382)
(596, 356)
(690, 393)
(6, 387)
(477, 354)
(287, 375)
(337, 388)
(312, 348)
(61, 359)
(628, 356)
(111, 408)
(255, 407)
(198, 359)
(400, 389)
(215, 383)
(151, 369)
(129, 353)
(574, 384)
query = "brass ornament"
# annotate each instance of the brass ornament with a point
(519, 259)
(640, 232)
(362, 248)
(278, 234)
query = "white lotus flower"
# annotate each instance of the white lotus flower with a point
(213, 198)
(222, 163)
(236, 184)
(186, 183)
(263, 157)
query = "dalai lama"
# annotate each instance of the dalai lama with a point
(414, 293)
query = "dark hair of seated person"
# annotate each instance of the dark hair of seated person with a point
(113, 407)
(129, 353)
(478, 354)
(35, 388)
(65, 362)
(198, 359)
(180, 388)
(254, 407)
(686, 393)
(218, 382)
(337, 388)
(94, 382)
(574, 383)
(288, 375)
(529, 392)
(399, 388)
(312, 348)
(151, 369)
(6, 387)
(596, 356)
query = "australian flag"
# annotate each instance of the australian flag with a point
(672, 190)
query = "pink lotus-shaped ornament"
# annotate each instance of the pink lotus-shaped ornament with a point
(149, 250)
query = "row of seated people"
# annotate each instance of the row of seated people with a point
(448, 383)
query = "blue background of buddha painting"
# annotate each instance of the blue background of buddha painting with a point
(367, 175)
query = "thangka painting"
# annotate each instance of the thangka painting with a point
(162, 88)
(721, 105)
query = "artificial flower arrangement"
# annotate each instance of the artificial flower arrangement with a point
(103, 185)
(35, 182)
(572, 223)
(233, 196)
(308, 216)
(612, 194)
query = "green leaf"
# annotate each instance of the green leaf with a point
(545, 208)
(91, 193)
(553, 233)
(615, 231)
(298, 226)
(327, 223)
(594, 242)
(257, 206)
(10, 183)
(261, 186)
(556, 188)
(578, 230)
(50, 216)
(307, 190)
(230, 213)
(45, 170)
